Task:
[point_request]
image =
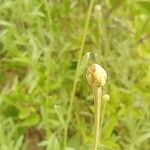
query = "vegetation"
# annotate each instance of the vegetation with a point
(45, 49)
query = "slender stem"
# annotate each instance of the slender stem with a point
(65, 136)
(103, 38)
(103, 110)
(76, 73)
(97, 103)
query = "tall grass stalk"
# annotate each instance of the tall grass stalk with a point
(76, 73)
(97, 92)
(96, 77)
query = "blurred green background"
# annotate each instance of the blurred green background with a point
(40, 41)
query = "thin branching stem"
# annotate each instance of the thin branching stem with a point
(77, 68)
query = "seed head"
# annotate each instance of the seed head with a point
(96, 76)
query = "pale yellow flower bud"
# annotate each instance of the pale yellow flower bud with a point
(97, 8)
(96, 76)
(97, 11)
(106, 97)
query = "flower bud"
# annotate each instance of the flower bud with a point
(96, 76)
(97, 8)
(106, 97)
(97, 11)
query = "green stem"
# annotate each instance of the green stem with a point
(103, 110)
(76, 73)
(103, 38)
(97, 104)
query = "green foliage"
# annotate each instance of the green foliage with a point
(39, 47)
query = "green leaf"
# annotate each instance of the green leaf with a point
(69, 148)
(83, 64)
(59, 113)
(19, 143)
(144, 6)
(108, 128)
(142, 138)
(55, 143)
(5, 23)
(24, 113)
(51, 143)
(32, 120)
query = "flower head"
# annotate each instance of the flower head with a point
(96, 76)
